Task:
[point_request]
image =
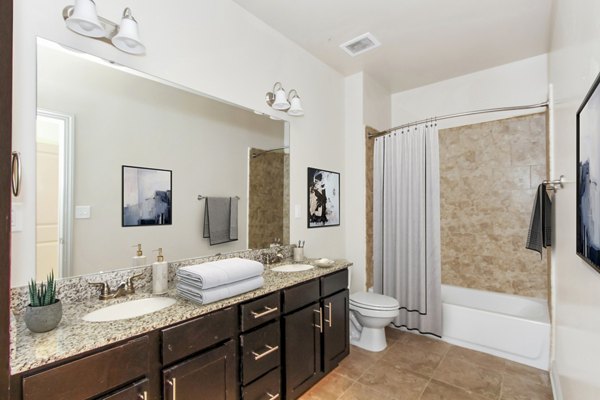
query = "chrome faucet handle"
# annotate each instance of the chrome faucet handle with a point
(130, 285)
(103, 286)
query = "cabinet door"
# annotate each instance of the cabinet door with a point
(335, 330)
(302, 332)
(211, 376)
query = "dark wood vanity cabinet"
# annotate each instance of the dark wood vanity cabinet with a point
(211, 375)
(316, 336)
(336, 345)
(273, 347)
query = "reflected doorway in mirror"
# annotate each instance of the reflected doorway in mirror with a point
(147, 196)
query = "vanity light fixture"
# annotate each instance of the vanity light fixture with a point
(82, 18)
(278, 100)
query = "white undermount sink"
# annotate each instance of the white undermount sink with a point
(292, 268)
(129, 309)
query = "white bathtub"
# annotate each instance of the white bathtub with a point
(508, 326)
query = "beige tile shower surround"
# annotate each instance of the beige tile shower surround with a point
(268, 199)
(489, 173)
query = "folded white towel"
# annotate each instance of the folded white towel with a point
(206, 296)
(221, 272)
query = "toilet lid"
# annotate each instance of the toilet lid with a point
(373, 300)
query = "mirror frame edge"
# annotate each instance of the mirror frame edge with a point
(6, 66)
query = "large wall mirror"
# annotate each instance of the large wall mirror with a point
(94, 117)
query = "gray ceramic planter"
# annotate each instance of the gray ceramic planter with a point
(43, 319)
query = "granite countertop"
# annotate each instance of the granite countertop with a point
(74, 336)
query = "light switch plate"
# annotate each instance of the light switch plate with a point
(16, 217)
(297, 211)
(83, 212)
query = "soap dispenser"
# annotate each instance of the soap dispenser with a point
(160, 274)
(139, 258)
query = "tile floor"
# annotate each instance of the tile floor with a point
(415, 367)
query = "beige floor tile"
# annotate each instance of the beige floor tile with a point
(329, 388)
(440, 391)
(393, 333)
(476, 357)
(361, 392)
(395, 382)
(535, 375)
(357, 362)
(523, 388)
(412, 357)
(472, 377)
(426, 343)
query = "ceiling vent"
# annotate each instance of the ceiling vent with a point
(360, 44)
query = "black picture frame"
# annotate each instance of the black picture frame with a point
(588, 177)
(156, 208)
(323, 198)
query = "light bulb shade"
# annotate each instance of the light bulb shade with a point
(84, 19)
(295, 107)
(128, 37)
(280, 102)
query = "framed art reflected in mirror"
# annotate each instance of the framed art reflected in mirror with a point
(147, 196)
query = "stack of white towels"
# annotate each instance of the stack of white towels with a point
(218, 280)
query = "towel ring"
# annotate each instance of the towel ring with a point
(15, 165)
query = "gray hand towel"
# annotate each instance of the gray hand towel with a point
(540, 225)
(220, 220)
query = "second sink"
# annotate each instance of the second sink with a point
(292, 268)
(129, 309)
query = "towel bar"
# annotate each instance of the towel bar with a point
(555, 184)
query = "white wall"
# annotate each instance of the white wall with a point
(518, 83)
(574, 62)
(367, 103)
(214, 47)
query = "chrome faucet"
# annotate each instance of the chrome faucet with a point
(270, 258)
(123, 288)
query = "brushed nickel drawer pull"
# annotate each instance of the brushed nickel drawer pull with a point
(329, 321)
(320, 326)
(270, 349)
(15, 164)
(268, 310)
(173, 383)
(273, 396)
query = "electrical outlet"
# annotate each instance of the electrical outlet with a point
(83, 212)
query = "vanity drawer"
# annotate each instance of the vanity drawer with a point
(138, 390)
(91, 375)
(260, 351)
(257, 312)
(333, 283)
(265, 388)
(196, 335)
(298, 296)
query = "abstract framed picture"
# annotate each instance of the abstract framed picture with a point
(147, 196)
(588, 177)
(323, 198)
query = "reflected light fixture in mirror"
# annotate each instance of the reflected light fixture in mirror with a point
(278, 100)
(82, 18)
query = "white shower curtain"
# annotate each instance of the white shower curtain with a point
(406, 225)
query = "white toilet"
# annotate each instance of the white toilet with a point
(370, 313)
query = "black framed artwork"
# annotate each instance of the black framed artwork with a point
(588, 177)
(146, 196)
(323, 198)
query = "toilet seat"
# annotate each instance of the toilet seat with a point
(373, 301)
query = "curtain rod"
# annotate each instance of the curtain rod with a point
(462, 114)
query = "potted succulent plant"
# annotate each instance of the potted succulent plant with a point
(44, 311)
